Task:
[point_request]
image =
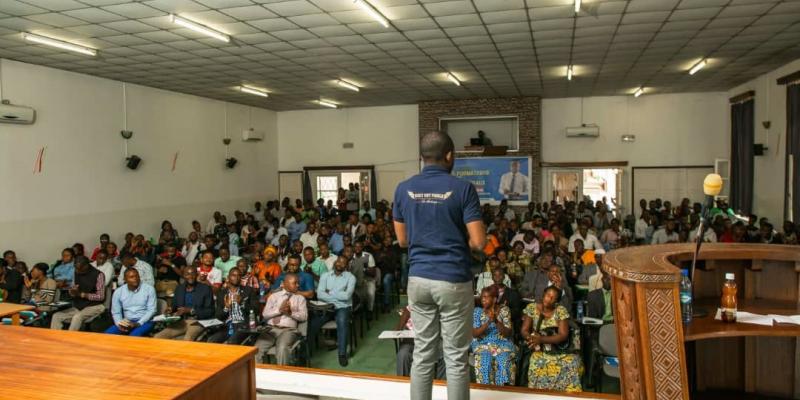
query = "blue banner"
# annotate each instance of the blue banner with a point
(497, 178)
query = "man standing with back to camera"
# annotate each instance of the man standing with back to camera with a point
(438, 217)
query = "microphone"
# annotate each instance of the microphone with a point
(712, 186)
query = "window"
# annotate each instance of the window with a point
(327, 188)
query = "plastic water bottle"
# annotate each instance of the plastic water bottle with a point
(686, 297)
(252, 320)
(579, 313)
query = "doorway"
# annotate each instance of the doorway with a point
(596, 184)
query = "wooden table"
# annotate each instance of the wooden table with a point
(13, 310)
(709, 328)
(48, 364)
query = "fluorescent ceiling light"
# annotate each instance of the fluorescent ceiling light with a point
(453, 79)
(638, 92)
(577, 5)
(628, 138)
(697, 67)
(569, 73)
(199, 28)
(348, 85)
(59, 44)
(326, 103)
(255, 91)
(375, 14)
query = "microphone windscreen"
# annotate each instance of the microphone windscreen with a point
(712, 185)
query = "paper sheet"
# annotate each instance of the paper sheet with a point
(406, 334)
(745, 317)
(165, 318)
(207, 323)
(786, 319)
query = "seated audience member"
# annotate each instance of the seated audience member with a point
(285, 309)
(492, 343)
(191, 247)
(326, 256)
(306, 280)
(509, 265)
(522, 259)
(104, 239)
(133, 306)
(535, 283)
(337, 239)
(206, 273)
(296, 227)
(405, 353)
(789, 234)
(508, 296)
(485, 278)
(737, 233)
(192, 302)
(309, 237)
(249, 277)
(11, 282)
(42, 289)
(709, 236)
(170, 269)
(598, 302)
(388, 260)
(546, 331)
(265, 267)
(590, 241)
(103, 265)
(88, 295)
(234, 304)
(312, 265)
(145, 270)
(63, 271)
(336, 288)
(591, 265)
(667, 234)
(362, 265)
(610, 238)
(225, 262)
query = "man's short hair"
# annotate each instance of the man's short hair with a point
(295, 257)
(81, 260)
(131, 270)
(435, 145)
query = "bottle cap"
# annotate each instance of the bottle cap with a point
(684, 272)
(729, 276)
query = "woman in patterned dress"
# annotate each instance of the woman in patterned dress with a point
(492, 345)
(545, 327)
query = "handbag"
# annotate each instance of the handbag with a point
(567, 346)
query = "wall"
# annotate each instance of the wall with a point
(382, 136)
(770, 169)
(671, 130)
(84, 188)
(526, 109)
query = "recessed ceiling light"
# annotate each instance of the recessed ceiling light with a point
(577, 5)
(199, 28)
(628, 138)
(697, 67)
(348, 85)
(255, 91)
(374, 13)
(569, 73)
(638, 92)
(453, 79)
(59, 44)
(326, 103)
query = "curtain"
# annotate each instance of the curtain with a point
(793, 142)
(742, 137)
(373, 187)
(307, 195)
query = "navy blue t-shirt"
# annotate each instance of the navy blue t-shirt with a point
(435, 207)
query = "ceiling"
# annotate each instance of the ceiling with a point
(297, 49)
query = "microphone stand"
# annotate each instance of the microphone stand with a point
(701, 231)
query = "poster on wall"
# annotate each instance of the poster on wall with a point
(497, 178)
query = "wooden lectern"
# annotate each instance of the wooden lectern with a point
(651, 335)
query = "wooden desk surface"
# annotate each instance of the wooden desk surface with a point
(710, 328)
(7, 309)
(46, 364)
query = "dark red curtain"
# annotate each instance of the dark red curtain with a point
(793, 142)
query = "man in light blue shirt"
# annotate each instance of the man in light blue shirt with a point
(337, 240)
(133, 306)
(336, 288)
(296, 228)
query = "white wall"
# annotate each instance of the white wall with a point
(770, 169)
(386, 137)
(85, 189)
(671, 130)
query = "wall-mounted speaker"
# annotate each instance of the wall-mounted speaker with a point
(133, 162)
(231, 162)
(758, 149)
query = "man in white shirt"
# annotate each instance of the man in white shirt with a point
(145, 270)
(640, 229)
(666, 234)
(513, 184)
(506, 212)
(104, 266)
(309, 237)
(326, 256)
(590, 241)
